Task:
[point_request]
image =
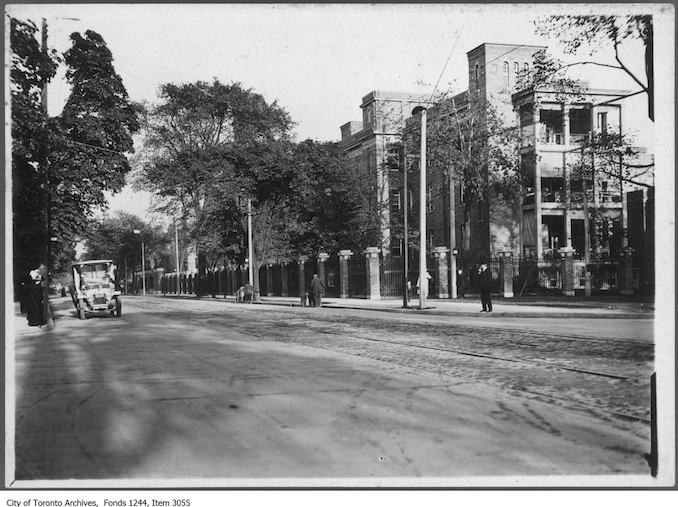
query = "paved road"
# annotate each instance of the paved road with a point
(198, 389)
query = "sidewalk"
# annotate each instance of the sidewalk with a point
(551, 308)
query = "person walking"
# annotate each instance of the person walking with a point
(317, 288)
(485, 281)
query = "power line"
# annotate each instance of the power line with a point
(445, 66)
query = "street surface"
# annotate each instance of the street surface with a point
(207, 389)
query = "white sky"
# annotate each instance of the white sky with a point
(317, 61)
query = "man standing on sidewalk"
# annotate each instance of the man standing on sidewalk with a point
(317, 288)
(485, 288)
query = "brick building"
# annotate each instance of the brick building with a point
(550, 212)
(367, 143)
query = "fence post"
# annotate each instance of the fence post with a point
(344, 256)
(372, 267)
(567, 270)
(159, 275)
(626, 272)
(506, 274)
(441, 289)
(283, 279)
(269, 280)
(322, 257)
(302, 288)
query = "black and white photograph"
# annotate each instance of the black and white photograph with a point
(337, 246)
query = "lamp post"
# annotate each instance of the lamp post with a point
(423, 280)
(143, 264)
(176, 251)
(405, 232)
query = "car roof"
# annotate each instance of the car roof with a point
(91, 262)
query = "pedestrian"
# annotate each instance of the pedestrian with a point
(485, 280)
(461, 283)
(34, 299)
(428, 284)
(317, 288)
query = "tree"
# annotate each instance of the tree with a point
(326, 199)
(114, 238)
(468, 139)
(31, 69)
(208, 145)
(90, 140)
(592, 32)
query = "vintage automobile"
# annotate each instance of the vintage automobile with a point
(93, 289)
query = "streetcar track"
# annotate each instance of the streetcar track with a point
(525, 391)
(476, 354)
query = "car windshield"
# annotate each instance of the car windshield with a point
(92, 274)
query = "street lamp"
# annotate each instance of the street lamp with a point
(423, 281)
(143, 263)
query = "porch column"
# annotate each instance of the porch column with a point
(283, 279)
(322, 257)
(567, 270)
(441, 288)
(344, 256)
(269, 280)
(372, 265)
(626, 272)
(506, 274)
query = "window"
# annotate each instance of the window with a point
(477, 71)
(429, 198)
(506, 68)
(526, 67)
(602, 123)
(516, 67)
(396, 246)
(395, 201)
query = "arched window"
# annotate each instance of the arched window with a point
(515, 67)
(506, 68)
(477, 71)
(526, 67)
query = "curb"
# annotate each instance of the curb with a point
(432, 310)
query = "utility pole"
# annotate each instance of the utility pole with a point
(453, 239)
(405, 232)
(250, 252)
(423, 280)
(587, 234)
(176, 251)
(47, 314)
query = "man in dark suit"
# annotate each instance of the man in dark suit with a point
(485, 280)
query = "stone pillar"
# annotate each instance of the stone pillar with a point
(269, 280)
(506, 274)
(372, 267)
(441, 289)
(322, 257)
(302, 289)
(567, 270)
(283, 279)
(344, 256)
(626, 272)
(159, 279)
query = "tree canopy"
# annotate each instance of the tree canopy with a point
(578, 34)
